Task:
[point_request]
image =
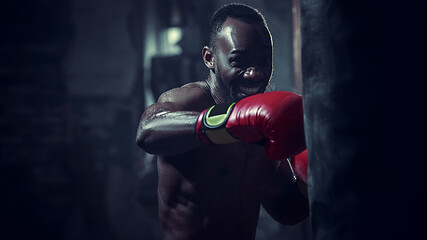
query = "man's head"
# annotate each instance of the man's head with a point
(240, 12)
(240, 51)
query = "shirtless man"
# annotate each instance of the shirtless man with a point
(213, 177)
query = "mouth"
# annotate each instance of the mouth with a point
(245, 88)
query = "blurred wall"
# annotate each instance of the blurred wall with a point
(37, 195)
(75, 78)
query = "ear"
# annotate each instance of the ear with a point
(208, 58)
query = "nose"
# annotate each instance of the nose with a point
(253, 73)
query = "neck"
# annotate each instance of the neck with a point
(219, 92)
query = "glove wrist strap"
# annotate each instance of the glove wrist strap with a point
(213, 124)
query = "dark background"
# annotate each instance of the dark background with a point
(75, 77)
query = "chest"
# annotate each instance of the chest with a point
(235, 166)
(231, 175)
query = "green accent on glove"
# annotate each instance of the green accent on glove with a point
(215, 121)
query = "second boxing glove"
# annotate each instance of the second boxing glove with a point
(299, 165)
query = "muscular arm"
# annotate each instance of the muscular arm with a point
(285, 201)
(167, 127)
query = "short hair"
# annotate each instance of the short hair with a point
(238, 11)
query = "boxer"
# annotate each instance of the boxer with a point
(223, 143)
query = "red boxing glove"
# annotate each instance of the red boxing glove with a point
(276, 117)
(299, 165)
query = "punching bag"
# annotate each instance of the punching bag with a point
(364, 182)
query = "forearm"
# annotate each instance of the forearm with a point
(287, 207)
(284, 200)
(166, 133)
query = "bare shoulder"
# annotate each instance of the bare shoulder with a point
(193, 96)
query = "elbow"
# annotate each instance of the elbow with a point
(289, 218)
(288, 212)
(298, 213)
(292, 220)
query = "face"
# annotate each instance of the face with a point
(242, 59)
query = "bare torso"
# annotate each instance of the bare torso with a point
(213, 192)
